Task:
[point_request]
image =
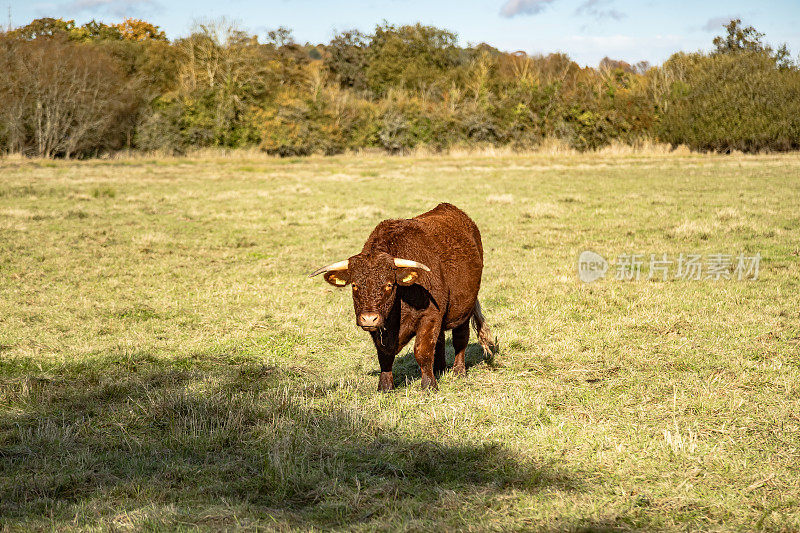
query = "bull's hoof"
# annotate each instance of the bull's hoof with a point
(385, 382)
(429, 384)
(459, 371)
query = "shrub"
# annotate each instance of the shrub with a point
(415, 58)
(726, 102)
(159, 129)
(346, 59)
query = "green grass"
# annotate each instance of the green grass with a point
(165, 363)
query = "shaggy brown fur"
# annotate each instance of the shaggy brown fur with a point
(395, 304)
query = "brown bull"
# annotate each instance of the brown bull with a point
(418, 277)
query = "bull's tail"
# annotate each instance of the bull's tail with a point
(482, 330)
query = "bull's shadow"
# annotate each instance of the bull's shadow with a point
(406, 369)
(241, 443)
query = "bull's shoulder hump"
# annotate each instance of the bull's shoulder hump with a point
(443, 224)
(393, 226)
(443, 209)
(394, 230)
(449, 216)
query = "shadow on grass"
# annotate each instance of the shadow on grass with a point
(406, 370)
(240, 445)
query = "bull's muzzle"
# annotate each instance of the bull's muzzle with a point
(369, 321)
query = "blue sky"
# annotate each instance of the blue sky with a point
(587, 30)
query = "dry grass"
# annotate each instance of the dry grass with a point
(166, 364)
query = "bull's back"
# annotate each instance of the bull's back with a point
(460, 252)
(454, 233)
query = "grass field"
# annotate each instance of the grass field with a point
(165, 363)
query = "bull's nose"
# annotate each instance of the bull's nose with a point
(369, 320)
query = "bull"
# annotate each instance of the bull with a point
(418, 277)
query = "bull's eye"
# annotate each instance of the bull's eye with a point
(387, 287)
(355, 287)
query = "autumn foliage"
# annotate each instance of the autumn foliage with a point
(84, 90)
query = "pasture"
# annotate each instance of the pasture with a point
(165, 363)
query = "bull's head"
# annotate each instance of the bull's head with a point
(374, 278)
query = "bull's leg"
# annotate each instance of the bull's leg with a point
(425, 350)
(439, 360)
(460, 342)
(386, 381)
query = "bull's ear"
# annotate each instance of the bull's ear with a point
(408, 271)
(337, 278)
(407, 276)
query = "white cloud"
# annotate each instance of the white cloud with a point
(512, 8)
(599, 9)
(117, 8)
(716, 23)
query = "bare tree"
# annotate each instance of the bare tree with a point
(59, 98)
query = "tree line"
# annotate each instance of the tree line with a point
(81, 91)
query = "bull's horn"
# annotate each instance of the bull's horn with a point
(407, 263)
(341, 265)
